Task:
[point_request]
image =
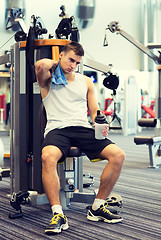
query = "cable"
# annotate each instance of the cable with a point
(7, 41)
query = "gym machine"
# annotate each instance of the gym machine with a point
(25, 144)
(154, 143)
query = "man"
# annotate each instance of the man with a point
(67, 125)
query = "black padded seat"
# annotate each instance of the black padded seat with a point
(146, 140)
(147, 122)
(75, 152)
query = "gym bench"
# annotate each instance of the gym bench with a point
(153, 142)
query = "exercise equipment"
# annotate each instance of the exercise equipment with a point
(114, 202)
(1, 157)
(25, 147)
(67, 27)
(114, 27)
(112, 114)
(25, 160)
(153, 142)
(149, 110)
(16, 201)
(154, 145)
(111, 82)
(108, 102)
(151, 122)
(14, 13)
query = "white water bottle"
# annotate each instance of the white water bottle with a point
(100, 123)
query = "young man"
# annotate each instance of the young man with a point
(67, 125)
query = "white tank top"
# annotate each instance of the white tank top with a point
(66, 105)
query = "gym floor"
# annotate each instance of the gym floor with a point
(138, 185)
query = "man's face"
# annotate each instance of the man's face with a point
(69, 61)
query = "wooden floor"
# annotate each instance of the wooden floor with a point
(139, 186)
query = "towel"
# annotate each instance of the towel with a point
(58, 76)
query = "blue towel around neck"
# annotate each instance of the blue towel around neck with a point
(58, 76)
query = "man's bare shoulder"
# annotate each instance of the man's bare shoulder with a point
(89, 81)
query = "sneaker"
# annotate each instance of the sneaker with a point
(58, 222)
(113, 209)
(103, 214)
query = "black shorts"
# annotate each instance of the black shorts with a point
(81, 137)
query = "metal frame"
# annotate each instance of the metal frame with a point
(155, 160)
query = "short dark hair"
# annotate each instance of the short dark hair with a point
(74, 46)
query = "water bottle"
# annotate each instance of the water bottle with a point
(100, 123)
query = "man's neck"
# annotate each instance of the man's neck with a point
(70, 77)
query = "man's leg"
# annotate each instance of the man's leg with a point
(51, 183)
(50, 157)
(110, 174)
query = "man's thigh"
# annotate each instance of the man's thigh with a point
(110, 151)
(56, 138)
(52, 152)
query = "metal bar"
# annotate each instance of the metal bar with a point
(150, 25)
(151, 156)
(11, 124)
(139, 45)
(154, 45)
(142, 34)
(96, 65)
(158, 113)
(4, 59)
(16, 119)
(114, 27)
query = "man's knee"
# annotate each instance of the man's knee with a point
(120, 156)
(50, 155)
(114, 154)
(48, 161)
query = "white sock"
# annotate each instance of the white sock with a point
(97, 203)
(57, 209)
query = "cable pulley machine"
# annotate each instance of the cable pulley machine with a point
(154, 143)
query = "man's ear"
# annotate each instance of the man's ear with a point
(61, 55)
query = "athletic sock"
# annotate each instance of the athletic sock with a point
(57, 209)
(97, 203)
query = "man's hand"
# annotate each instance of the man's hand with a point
(44, 69)
(54, 66)
(105, 131)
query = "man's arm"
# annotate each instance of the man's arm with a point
(44, 69)
(91, 99)
(92, 104)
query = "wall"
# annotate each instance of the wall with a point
(120, 52)
(123, 55)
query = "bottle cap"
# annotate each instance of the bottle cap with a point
(100, 118)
